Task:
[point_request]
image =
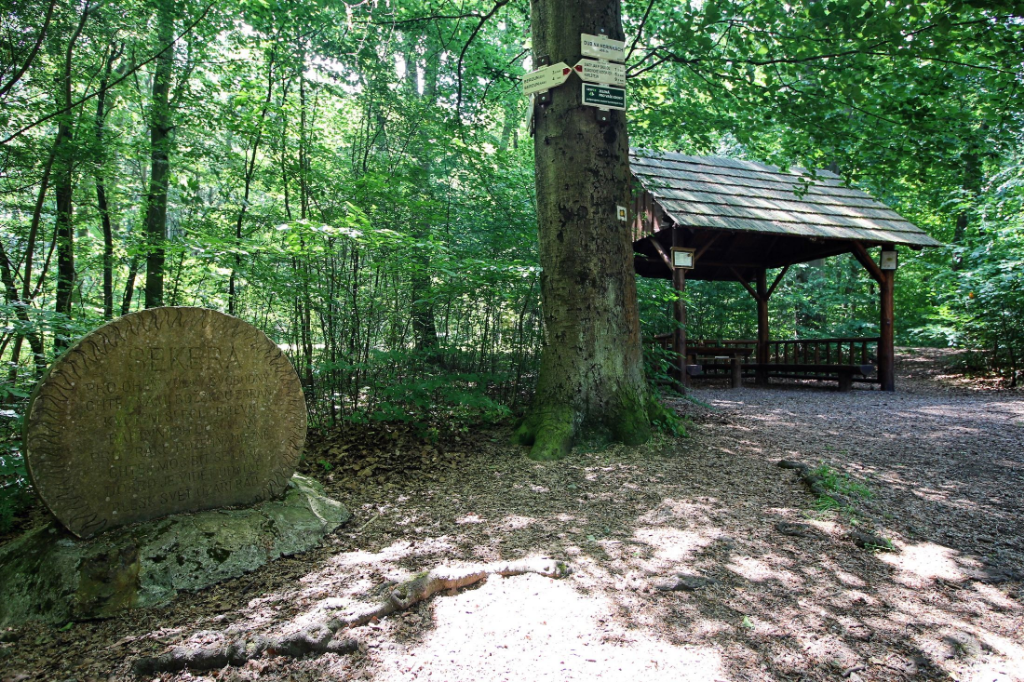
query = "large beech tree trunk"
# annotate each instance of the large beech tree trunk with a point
(591, 382)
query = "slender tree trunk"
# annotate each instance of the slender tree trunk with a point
(160, 141)
(21, 312)
(63, 190)
(972, 181)
(424, 326)
(101, 192)
(129, 286)
(108, 248)
(591, 381)
(63, 193)
(304, 316)
(35, 338)
(249, 170)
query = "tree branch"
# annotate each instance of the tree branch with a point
(130, 72)
(35, 49)
(458, 69)
(640, 29)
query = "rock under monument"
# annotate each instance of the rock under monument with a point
(164, 411)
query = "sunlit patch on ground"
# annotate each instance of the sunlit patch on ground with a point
(531, 628)
(919, 564)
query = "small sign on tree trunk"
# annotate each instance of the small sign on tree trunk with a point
(604, 96)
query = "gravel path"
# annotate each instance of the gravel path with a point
(694, 559)
(946, 464)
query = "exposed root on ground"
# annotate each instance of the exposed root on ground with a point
(816, 484)
(425, 585)
(320, 638)
(316, 639)
(813, 481)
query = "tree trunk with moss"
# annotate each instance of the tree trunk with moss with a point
(591, 383)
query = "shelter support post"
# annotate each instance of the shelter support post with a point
(761, 293)
(886, 345)
(762, 326)
(679, 315)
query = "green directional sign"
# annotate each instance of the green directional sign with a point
(604, 96)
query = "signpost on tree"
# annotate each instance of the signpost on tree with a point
(591, 382)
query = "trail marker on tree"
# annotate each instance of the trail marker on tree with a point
(602, 47)
(591, 381)
(596, 71)
(546, 78)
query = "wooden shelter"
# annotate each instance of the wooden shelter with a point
(734, 220)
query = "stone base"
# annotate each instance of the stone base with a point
(50, 575)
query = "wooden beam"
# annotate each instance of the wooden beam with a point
(778, 278)
(746, 285)
(861, 254)
(662, 252)
(707, 246)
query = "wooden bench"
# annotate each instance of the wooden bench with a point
(843, 373)
(691, 370)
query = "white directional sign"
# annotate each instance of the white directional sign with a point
(594, 71)
(545, 78)
(601, 47)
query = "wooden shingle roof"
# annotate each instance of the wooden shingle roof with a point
(728, 194)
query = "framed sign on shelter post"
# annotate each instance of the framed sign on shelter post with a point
(682, 257)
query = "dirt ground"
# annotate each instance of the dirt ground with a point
(943, 460)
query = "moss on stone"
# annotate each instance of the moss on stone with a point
(48, 575)
(108, 583)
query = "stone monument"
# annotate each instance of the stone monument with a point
(146, 430)
(164, 411)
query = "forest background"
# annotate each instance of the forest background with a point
(356, 179)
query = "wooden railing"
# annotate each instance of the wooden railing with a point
(663, 340)
(840, 351)
(824, 351)
(795, 358)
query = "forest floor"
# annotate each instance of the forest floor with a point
(942, 460)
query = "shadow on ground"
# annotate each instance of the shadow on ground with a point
(944, 469)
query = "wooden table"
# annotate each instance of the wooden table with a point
(735, 354)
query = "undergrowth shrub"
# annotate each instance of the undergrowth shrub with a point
(15, 496)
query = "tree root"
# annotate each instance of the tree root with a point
(814, 482)
(425, 585)
(316, 639)
(321, 638)
(549, 431)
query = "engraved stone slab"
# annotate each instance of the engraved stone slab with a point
(163, 411)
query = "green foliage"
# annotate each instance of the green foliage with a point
(983, 299)
(14, 485)
(840, 482)
(666, 420)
